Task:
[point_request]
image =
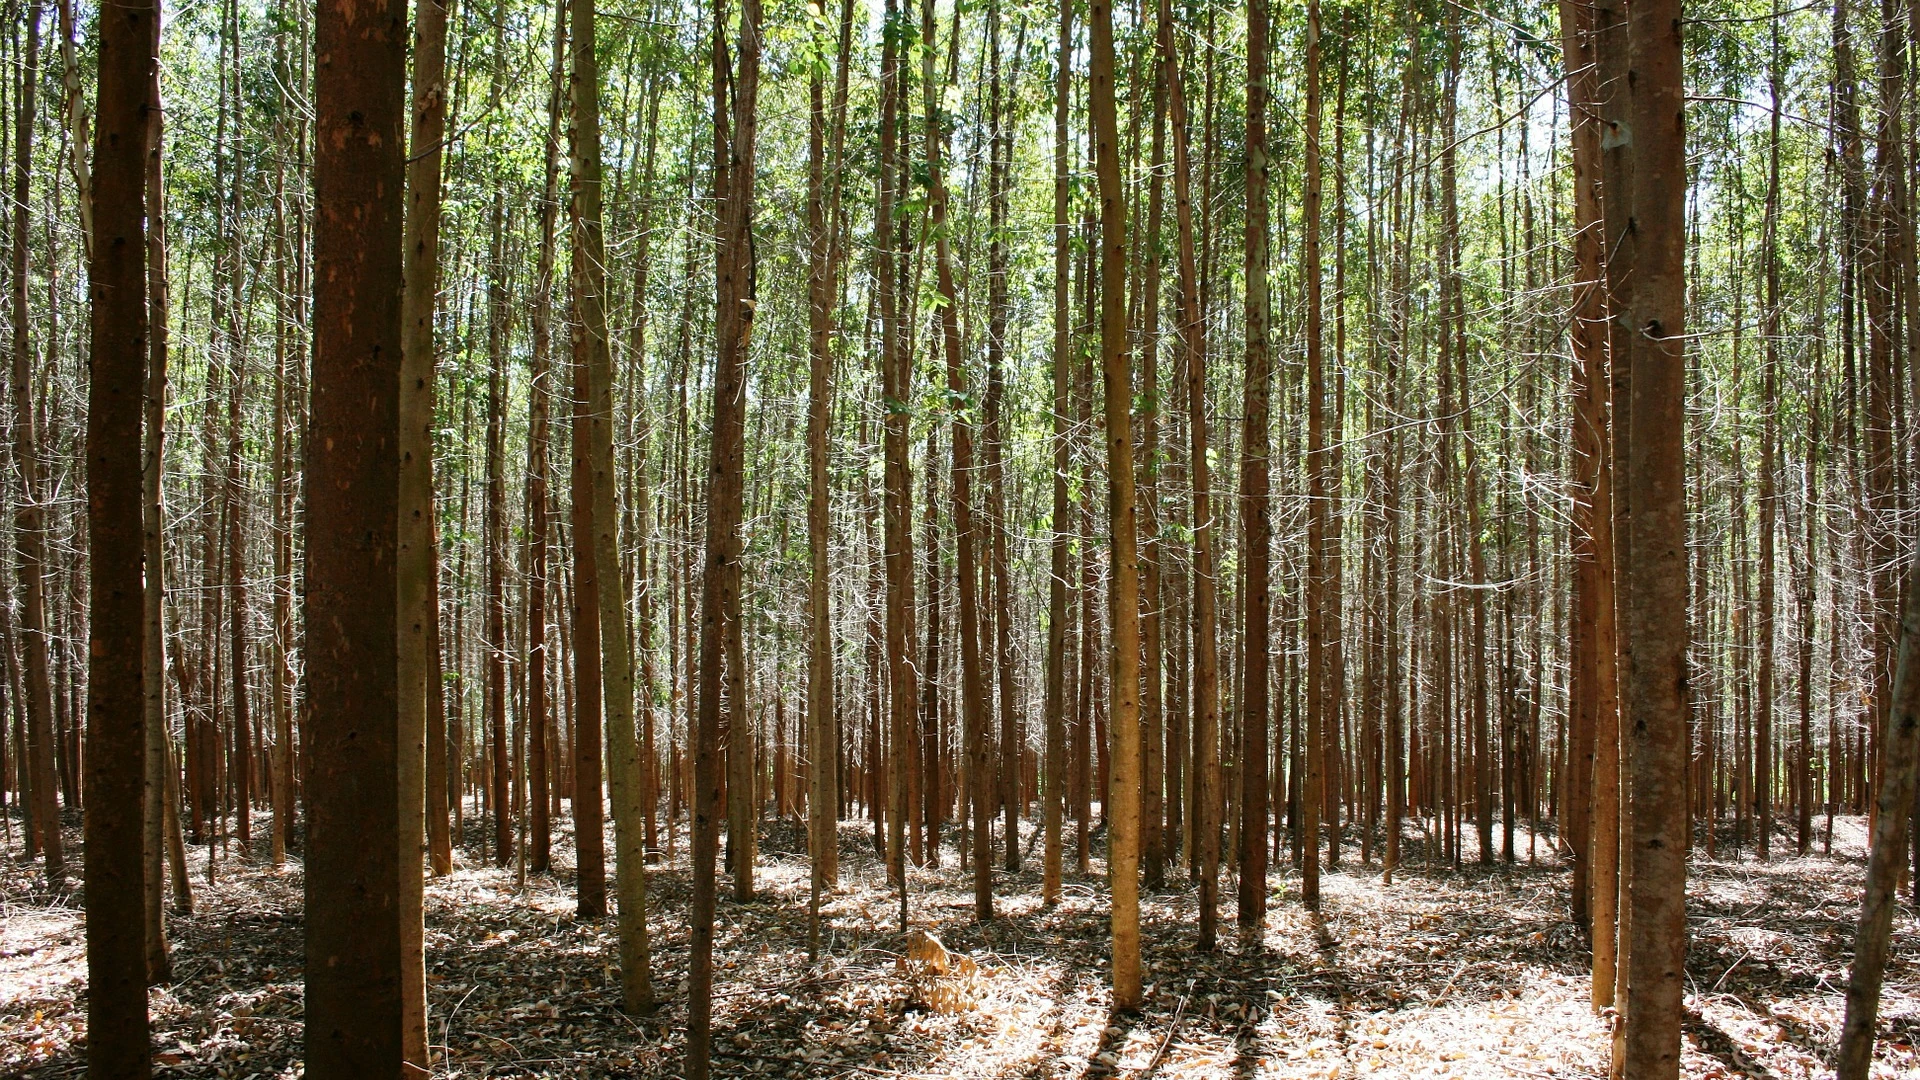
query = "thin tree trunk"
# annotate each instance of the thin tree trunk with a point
(1121, 798)
(1256, 529)
(29, 525)
(153, 671)
(1060, 547)
(414, 567)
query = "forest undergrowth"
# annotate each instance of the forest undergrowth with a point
(1444, 972)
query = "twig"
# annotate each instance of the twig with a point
(1154, 1062)
(795, 1059)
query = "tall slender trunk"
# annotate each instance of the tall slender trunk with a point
(29, 522)
(897, 393)
(1322, 540)
(1060, 547)
(823, 774)
(541, 742)
(1894, 794)
(1121, 798)
(153, 639)
(616, 655)
(1193, 344)
(1256, 527)
(973, 688)
(734, 130)
(118, 1044)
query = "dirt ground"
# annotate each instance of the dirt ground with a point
(1444, 973)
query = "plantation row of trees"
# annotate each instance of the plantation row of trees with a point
(1208, 437)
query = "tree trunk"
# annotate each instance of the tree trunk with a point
(720, 591)
(1060, 547)
(1121, 798)
(354, 1015)
(1653, 331)
(29, 521)
(153, 640)
(1256, 529)
(116, 755)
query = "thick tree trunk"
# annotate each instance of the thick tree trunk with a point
(116, 754)
(354, 1015)
(1651, 327)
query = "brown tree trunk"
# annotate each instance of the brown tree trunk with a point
(541, 742)
(29, 521)
(1121, 797)
(1193, 344)
(720, 596)
(616, 654)
(116, 755)
(1653, 333)
(414, 563)
(1060, 547)
(1256, 529)
(354, 1015)
(153, 639)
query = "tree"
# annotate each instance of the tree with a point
(415, 534)
(1651, 327)
(1123, 584)
(1060, 545)
(823, 213)
(1256, 527)
(734, 132)
(354, 911)
(29, 517)
(616, 653)
(116, 761)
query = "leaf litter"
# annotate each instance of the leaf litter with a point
(1467, 972)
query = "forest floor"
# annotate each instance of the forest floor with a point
(1458, 973)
